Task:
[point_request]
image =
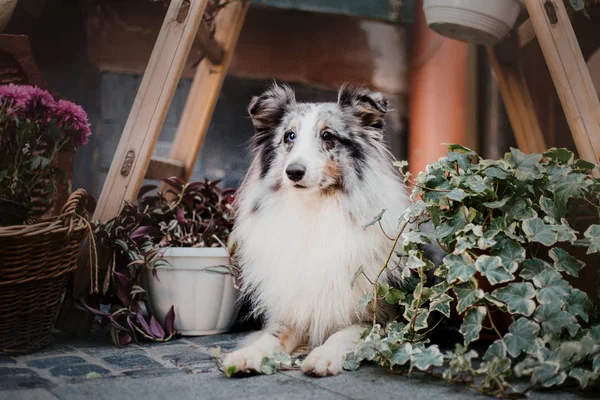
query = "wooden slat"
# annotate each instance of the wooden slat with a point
(210, 48)
(205, 89)
(570, 74)
(136, 145)
(150, 106)
(161, 167)
(518, 102)
(525, 33)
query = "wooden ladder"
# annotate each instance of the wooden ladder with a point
(550, 23)
(133, 161)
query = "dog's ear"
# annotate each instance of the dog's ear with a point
(369, 107)
(268, 109)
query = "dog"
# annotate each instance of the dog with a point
(319, 173)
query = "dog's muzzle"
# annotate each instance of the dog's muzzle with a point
(295, 172)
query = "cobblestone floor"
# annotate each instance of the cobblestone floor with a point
(184, 369)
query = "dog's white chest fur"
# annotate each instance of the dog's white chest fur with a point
(300, 255)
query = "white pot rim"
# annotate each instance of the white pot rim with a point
(195, 252)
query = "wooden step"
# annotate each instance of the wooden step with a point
(161, 167)
(525, 33)
(212, 50)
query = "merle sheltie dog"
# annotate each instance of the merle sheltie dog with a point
(320, 172)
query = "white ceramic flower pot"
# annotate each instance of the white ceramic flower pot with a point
(473, 21)
(204, 302)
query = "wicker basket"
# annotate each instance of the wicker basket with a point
(35, 261)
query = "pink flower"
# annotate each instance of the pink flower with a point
(70, 115)
(40, 98)
(41, 104)
(16, 96)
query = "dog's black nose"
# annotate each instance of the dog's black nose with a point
(295, 172)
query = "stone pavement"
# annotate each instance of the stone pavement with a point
(184, 369)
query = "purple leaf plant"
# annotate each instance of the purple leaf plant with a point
(194, 214)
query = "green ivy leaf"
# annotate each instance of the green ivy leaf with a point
(564, 233)
(456, 194)
(537, 231)
(268, 366)
(460, 267)
(3, 174)
(521, 210)
(364, 301)
(414, 262)
(497, 303)
(497, 204)
(424, 359)
(521, 336)
(400, 164)
(401, 355)
(548, 374)
(561, 155)
(578, 304)
(532, 267)
(517, 297)
(416, 237)
(477, 183)
(566, 189)
(554, 319)
(496, 368)
(351, 362)
(547, 206)
(420, 320)
(492, 268)
(358, 273)
(593, 234)
(495, 350)
(376, 219)
(527, 167)
(495, 172)
(283, 359)
(467, 295)
(416, 209)
(441, 304)
(563, 261)
(511, 253)
(583, 376)
(552, 288)
(456, 223)
(459, 148)
(394, 296)
(463, 160)
(231, 370)
(471, 325)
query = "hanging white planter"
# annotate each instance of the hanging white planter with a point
(6, 11)
(473, 21)
(204, 302)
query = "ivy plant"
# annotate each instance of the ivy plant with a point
(508, 229)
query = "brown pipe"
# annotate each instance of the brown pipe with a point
(438, 94)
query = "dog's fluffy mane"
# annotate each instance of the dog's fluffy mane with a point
(298, 251)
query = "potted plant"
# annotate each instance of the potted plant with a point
(169, 259)
(34, 128)
(475, 21)
(508, 224)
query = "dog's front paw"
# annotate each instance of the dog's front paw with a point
(245, 360)
(323, 361)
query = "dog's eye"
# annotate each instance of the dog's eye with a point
(289, 137)
(327, 136)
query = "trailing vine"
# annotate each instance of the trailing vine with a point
(508, 228)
